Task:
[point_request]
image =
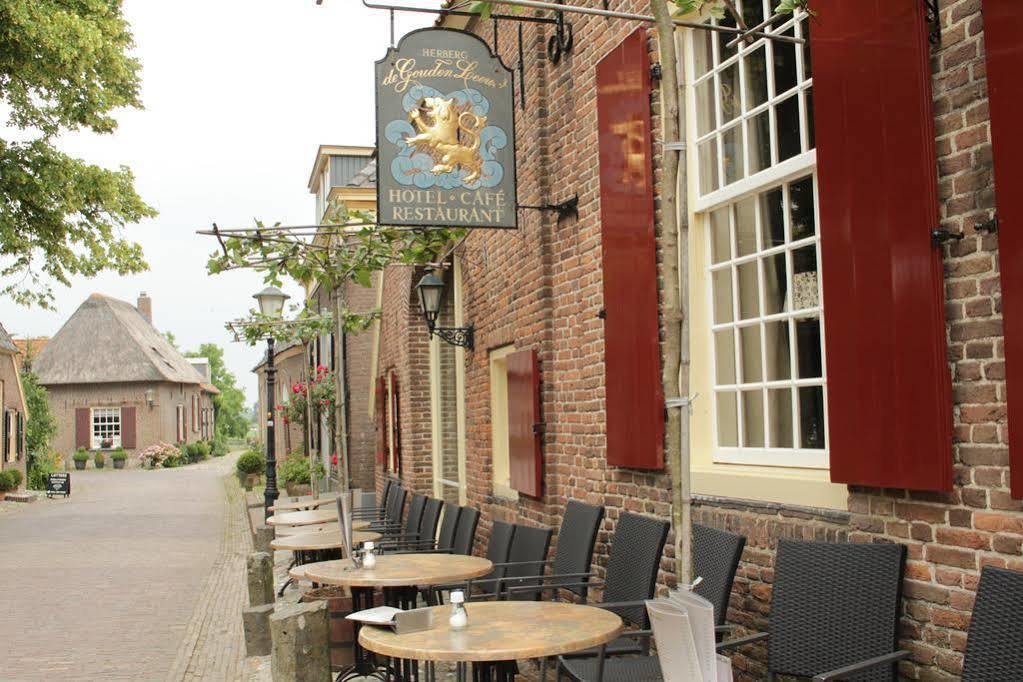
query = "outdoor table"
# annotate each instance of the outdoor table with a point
(317, 541)
(398, 575)
(305, 504)
(311, 517)
(498, 632)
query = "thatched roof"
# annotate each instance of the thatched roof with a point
(6, 342)
(107, 340)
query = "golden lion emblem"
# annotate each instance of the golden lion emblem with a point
(450, 135)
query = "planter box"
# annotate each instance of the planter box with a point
(298, 489)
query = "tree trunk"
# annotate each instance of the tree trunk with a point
(340, 397)
(308, 431)
(675, 350)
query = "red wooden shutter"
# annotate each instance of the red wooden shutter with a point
(632, 356)
(83, 427)
(381, 410)
(7, 436)
(1003, 44)
(395, 424)
(128, 427)
(181, 423)
(195, 412)
(525, 431)
(888, 381)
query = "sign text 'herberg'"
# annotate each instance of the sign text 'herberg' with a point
(445, 133)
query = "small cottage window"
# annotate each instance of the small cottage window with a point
(751, 107)
(106, 428)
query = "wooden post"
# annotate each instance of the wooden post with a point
(340, 399)
(673, 242)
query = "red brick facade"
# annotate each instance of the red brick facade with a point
(540, 287)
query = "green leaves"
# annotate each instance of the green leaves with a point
(63, 66)
(40, 425)
(718, 8)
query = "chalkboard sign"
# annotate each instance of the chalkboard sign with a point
(58, 484)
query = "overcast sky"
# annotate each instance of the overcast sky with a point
(237, 95)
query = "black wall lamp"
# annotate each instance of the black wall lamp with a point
(431, 296)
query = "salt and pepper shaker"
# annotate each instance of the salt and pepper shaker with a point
(369, 558)
(459, 618)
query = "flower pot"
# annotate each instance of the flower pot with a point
(250, 481)
(100, 465)
(118, 463)
(80, 464)
(298, 489)
(3, 494)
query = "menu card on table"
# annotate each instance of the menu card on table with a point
(683, 626)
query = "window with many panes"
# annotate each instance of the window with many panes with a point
(757, 192)
(106, 427)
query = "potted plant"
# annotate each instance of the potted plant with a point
(106, 443)
(248, 466)
(9, 480)
(118, 457)
(99, 459)
(295, 473)
(81, 456)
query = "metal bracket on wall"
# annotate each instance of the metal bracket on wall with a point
(456, 336)
(988, 226)
(562, 41)
(934, 19)
(940, 236)
(568, 207)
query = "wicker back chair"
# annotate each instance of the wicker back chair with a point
(428, 524)
(465, 534)
(527, 559)
(632, 564)
(498, 548)
(576, 539)
(415, 515)
(716, 556)
(994, 645)
(448, 526)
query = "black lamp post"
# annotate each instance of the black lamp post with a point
(271, 304)
(431, 296)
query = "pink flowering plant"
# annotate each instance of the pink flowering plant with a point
(155, 455)
(320, 389)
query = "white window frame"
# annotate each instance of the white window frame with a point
(779, 173)
(95, 439)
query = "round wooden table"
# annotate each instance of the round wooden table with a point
(303, 518)
(302, 505)
(311, 517)
(400, 570)
(317, 541)
(398, 575)
(498, 632)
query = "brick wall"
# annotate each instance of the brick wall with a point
(358, 358)
(540, 287)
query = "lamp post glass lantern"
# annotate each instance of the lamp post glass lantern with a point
(431, 296)
(271, 303)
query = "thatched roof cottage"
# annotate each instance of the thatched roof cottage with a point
(115, 381)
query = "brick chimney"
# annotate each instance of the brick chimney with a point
(145, 307)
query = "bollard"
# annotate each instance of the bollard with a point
(262, 537)
(256, 624)
(260, 572)
(300, 650)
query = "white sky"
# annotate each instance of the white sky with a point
(237, 95)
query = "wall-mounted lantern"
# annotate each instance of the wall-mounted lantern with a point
(431, 297)
(150, 397)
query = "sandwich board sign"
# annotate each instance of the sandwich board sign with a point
(58, 483)
(445, 133)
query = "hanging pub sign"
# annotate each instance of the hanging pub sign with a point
(445, 133)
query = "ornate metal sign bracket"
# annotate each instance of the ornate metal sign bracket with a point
(464, 337)
(568, 207)
(562, 41)
(934, 19)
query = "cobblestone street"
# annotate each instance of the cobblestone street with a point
(139, 575)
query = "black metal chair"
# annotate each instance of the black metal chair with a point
(716, 555)
(994, 645)
(376, 511)
(502, 535)
(630, 579)
(418, 525)
(834, 611)
(465, 534)
(391, 521)
(525, 565)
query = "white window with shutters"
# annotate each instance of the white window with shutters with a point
(106, 428)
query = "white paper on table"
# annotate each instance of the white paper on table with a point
(378, 615)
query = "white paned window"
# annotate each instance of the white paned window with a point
(106, 428)
(753, 104)
(757, 195)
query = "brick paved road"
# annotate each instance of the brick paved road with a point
(106, 585)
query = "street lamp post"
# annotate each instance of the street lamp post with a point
(271, 304)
